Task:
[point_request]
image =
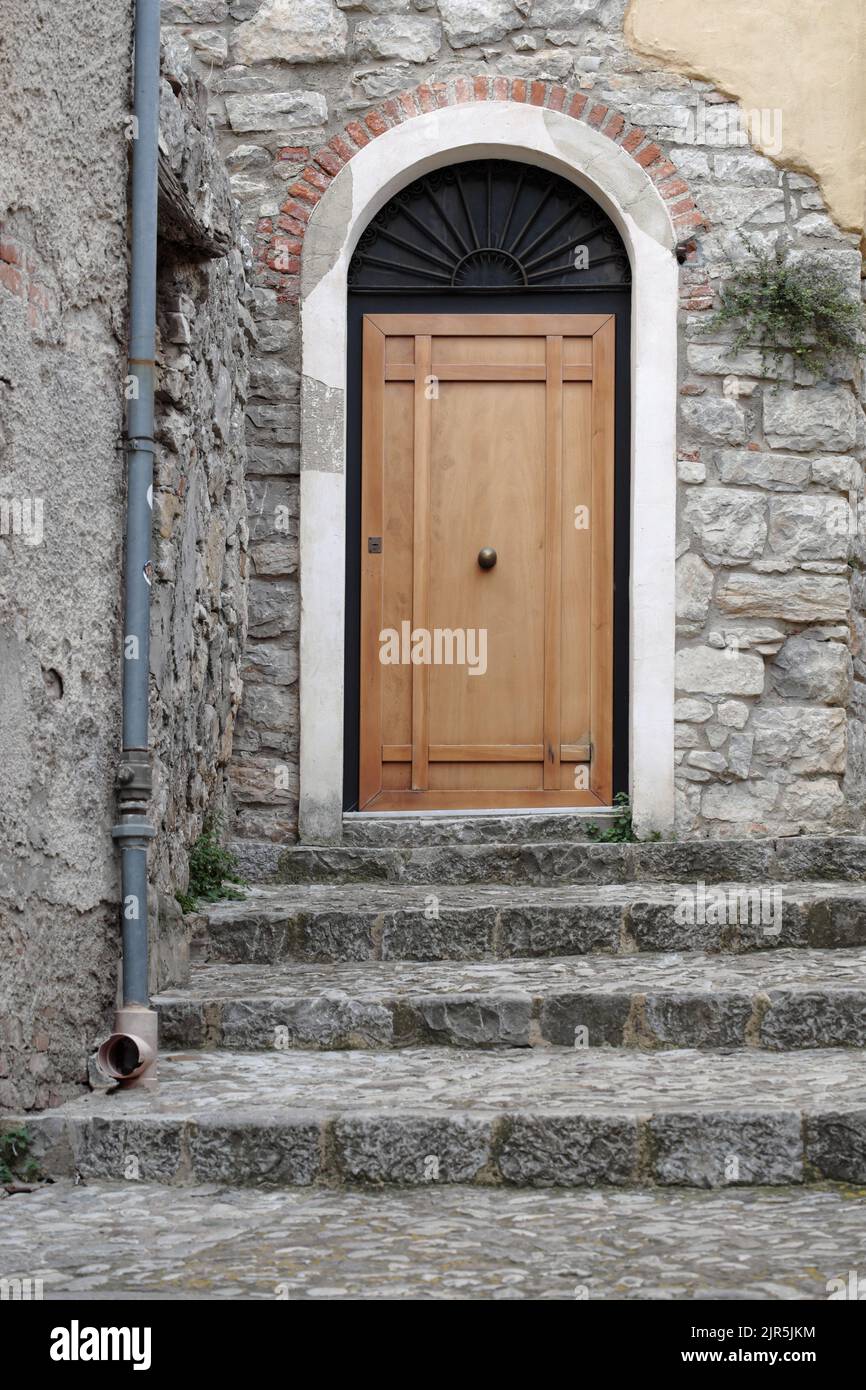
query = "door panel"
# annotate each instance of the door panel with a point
(486, 686)
(488, 489)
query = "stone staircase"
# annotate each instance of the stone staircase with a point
(495, 1000)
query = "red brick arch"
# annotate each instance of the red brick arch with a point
(280, 240)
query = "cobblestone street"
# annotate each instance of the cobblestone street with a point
(443, 1243)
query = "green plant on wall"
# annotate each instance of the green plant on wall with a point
(212, 869)
(16, 1164)
(785, 305)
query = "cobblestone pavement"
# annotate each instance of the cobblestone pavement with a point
(419, 1081)
(121, 1239)
(688, 970)
(273, 902)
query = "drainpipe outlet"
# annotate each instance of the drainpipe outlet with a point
(128, 1056)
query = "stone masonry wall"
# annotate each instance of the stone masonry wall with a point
(199, 612)
(770, 538)
(770, 676)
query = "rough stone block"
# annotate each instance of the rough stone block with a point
(726, 521)
(679, 1018)
(717, 1150)
(800, 738)
(556, 931)
(294, 110)
(602, 1016)
(411, 1150)
(716, 419)
(568, 1151)
(292, 31)
(733, 714)
(740, 748)
(806, 669)
(811, 418)
(706, 670)
(466, 1020)
(811, 802)
(747, 803)
(193, 11)
(836, 1145)
(413, 38)
(470, 22)
(694, 588)
(841, 473)
(799, 597)
(810, 527)
(814, 1018)
(246, 1153)
(776, 472)
(716, 360)
(460, 936)
(733, 205)
(695, 711)
(126, 1148)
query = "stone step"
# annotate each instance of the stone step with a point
(569, 862)
(259, 859)
(321, 923)
(524, 1117)
(777, 1000)
(470, 828)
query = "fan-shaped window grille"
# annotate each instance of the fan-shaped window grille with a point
(490, 225)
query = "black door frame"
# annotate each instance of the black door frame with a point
(615, 301)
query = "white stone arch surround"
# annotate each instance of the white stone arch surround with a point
(608, 174)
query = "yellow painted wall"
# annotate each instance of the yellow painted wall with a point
(806, 58)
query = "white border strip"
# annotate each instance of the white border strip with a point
(577, 151)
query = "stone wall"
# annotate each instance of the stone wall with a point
(64, 73)
(770, 703)
(767, 668)
(199, 613)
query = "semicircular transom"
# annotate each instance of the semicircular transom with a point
(494, 225)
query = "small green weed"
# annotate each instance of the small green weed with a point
(16, 1164)
(619, 829)
(212, 869)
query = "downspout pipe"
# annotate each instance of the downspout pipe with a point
(129, 1055)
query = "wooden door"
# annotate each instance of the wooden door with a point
(486, 686)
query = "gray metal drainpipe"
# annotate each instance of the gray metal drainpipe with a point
(129, 1055)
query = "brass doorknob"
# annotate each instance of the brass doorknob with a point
(487, 557)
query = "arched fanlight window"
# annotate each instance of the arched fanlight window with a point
(492, 225)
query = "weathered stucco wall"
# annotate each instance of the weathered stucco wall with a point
(63, 279)
(770, 660)
(805, 62)
(64, 73)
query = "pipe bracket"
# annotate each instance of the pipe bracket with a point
(133, 780)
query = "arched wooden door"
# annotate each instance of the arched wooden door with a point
(486, 622)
